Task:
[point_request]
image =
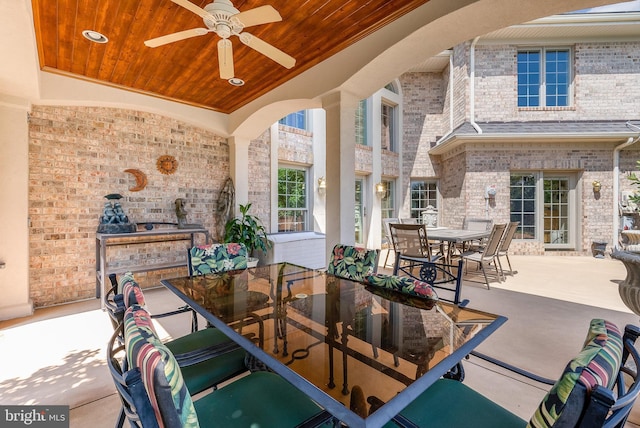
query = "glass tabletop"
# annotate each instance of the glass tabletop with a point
(326, 334)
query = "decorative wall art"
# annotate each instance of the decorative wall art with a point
(167, 164)
(141, 179)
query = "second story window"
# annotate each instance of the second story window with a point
(544, 77)
(388, 127)
(292, 200)
(295, 120)
(361, 123)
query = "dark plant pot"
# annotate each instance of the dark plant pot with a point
(629, 289)
(598, 249)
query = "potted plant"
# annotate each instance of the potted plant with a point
(248, 230)
(629, 289)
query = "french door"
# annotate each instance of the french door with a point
(361, 212)
(556, 212)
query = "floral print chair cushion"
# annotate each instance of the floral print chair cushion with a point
(597, 364)
(403, 285)
(161, 376)
(215, 258)
(353, 262)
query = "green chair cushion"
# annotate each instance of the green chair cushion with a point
(352, 262)
(451, 404)
(597, 364)
(203, 375)
(260, 400)
(403, 285)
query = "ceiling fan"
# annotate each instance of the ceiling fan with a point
(222, 18)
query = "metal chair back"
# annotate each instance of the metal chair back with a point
(410, 240)
(477, 224)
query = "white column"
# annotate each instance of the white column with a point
(340, 110)
(14, 200)
(239, 169)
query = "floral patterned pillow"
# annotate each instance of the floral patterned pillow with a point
(403, 285)
(353, 262)
(597, 364)
(217, 258)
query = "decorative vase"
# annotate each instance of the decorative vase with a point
(629, 289)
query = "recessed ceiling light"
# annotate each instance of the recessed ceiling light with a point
(94, 36)
(235, 81)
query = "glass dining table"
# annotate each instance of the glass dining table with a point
(326, 335)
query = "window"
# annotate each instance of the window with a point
(361, 123)
(423, 194)
(387, 203)
(544, 77)
(523, 204)
(388, 127)
(292, 200)
(295, 120)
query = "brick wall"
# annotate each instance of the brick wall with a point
(77, 155)
(260, 178)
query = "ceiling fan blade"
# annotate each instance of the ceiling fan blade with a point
(259, 15)
(174, 37)
(225, 59)
(192, 7)
(267, 50)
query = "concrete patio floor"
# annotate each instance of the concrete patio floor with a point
(57, 356)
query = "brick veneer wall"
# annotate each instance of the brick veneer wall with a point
(77, 155)
(493, 164)
(260, 178)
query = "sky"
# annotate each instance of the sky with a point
(627, 6)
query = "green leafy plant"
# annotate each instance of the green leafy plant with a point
(248, 230)
(635, 198)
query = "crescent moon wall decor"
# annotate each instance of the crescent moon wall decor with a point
(141, 179)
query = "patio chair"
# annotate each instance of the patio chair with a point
(505, 243)
(216, 258)
(410, 220)
(116, 293)
(353, 263)
(489, 254)
(258, 399)
(204, 351)
(387, 236)
(410, 242)
(596, 389)
(442, 276)
(480, 224)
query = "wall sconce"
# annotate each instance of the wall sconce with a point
(322, 184)
(596, 186)
(380, 189)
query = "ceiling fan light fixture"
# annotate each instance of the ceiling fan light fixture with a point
(236, 81)
(94, 36)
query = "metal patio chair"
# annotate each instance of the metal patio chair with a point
(489, 254)
(596, 390)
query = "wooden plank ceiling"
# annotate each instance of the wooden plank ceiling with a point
(187, 71)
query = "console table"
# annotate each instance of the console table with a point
(148, 237)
